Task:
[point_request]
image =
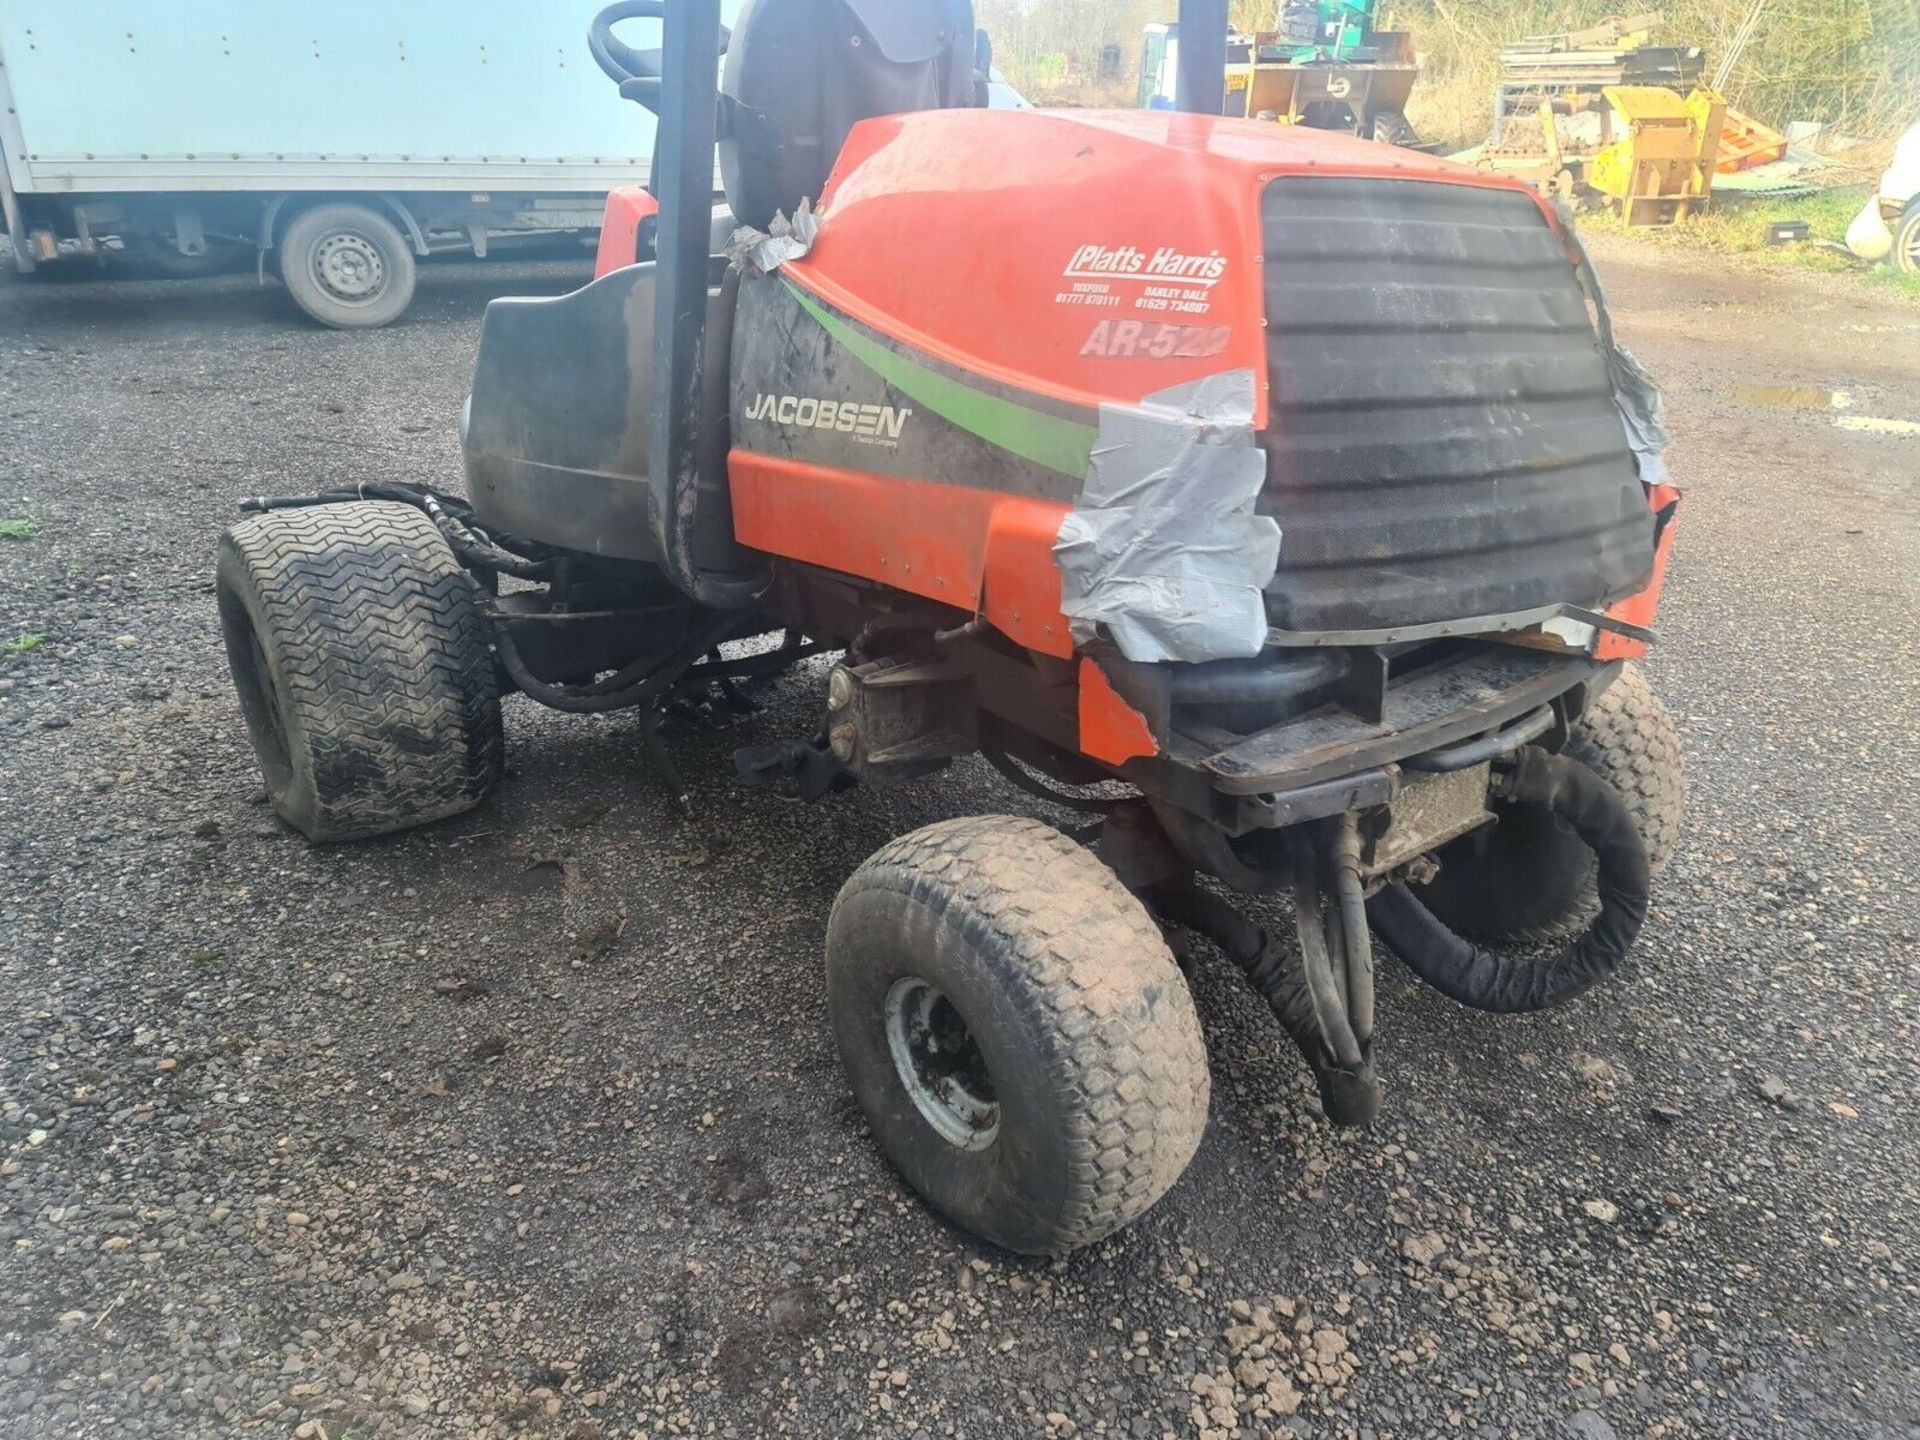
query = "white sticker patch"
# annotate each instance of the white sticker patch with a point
(1164, 279)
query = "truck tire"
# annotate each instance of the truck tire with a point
(347, 265)
(1016, 1031)
(1530, 878)
(364, 666)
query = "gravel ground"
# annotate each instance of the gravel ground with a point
(530, 1123)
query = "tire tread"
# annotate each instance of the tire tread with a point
(1135, 1076)
(383, 656)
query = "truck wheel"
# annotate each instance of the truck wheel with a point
(1021, 1041)
(347, 266)
(1531, 877)
(1906, 240)
(364, 667)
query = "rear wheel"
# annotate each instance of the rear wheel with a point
(347, 266)
(1530, 877)
(1014, 1027)
(364, 667)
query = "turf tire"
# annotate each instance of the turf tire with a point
(364, 666)
(1083, 1020)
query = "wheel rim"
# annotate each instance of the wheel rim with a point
(349, 267)
(1910, 247)
(941, 1066)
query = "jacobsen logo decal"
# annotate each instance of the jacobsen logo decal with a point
(874, 424)
(1120, 262)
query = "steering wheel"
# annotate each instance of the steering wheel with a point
(625, 64)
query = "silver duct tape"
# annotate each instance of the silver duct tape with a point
(1636, 395)
(761, 252)
(1163, 547)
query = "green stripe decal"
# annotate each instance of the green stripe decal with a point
(1059, 444)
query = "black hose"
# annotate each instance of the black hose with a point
(643, 681)
(450, 515)
(1261, 679)
(1514, 983)
(474, 549)
(755, 667)
(1034, 785)
(1316, 963)
(1356, 937)
(1207, 848)
(1349, 1087)
(1487, 747)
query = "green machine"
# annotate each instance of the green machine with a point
(1323, 31)
(1326, 65)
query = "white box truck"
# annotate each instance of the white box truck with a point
(345, 144)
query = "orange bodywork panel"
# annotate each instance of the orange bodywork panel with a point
(968, 548)
(1070, 260)
(627, 209)
(1640, 607)
(1009, 275)
(1093, 256)
(1111, 730)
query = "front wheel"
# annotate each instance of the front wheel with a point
(1016, 1031)
(347, 266)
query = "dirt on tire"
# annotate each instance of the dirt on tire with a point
(361, 655)
(1079, 979)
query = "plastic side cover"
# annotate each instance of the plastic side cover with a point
(1163, 546)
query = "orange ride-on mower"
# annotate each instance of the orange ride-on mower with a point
(1278, 501)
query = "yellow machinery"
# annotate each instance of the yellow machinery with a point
(1662, 166)
(1363, 92)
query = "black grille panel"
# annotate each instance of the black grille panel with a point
(1441, 438)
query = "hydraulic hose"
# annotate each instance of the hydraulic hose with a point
(448, 513)
(1514, 983)
(1342, 1065)
(1011, 770)
(1316, 964)
(1262, 680)
(1357, 938)
(640, 683)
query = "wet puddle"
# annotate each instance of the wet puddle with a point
(1818, 397)
(1795, 397)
